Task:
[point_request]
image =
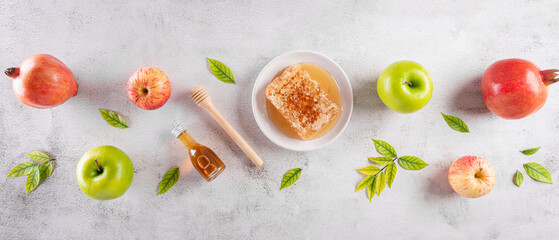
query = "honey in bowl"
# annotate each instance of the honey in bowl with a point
(303, 101)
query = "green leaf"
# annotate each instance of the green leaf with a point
(370, 170)
(113, 119)
(45, 170)
(221, 71)
(169, 180)
(370, 191)
(518, 178)
(378, 182)
(530, 151)
(390, 174)
(412, 163)
(456, 123)
(365, 182)
(32, 179)
(290, 177)
(382, 179)
(538, 172)
(38, 156)
(382, 160)
(22, 169)
(385, 149)
(373, 188)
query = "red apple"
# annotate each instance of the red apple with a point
(471, 176)
(515, 88)
(148, 88)
(42, 81)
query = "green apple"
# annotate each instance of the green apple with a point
(104, 173)
(405, 86)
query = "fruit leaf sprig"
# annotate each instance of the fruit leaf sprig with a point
(221, 71)
(36, 171)
(533, 169)
(169, 180)
(377, 178)
(290, 177)
(456, 123)
(113, 118)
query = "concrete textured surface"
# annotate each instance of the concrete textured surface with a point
(104, 42)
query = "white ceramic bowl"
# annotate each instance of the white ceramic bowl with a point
(259, 99)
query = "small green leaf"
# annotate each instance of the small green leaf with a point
(365, 182)
(32, 179)
(412, 163)
(38, 156)
(221, 71)
(45, 170)
(382, 184)
(518, 178)
(370, 191)
(390, 174)
(385, 149)
(370, 170)
(22, 169)
(378, 182)
(538, 172)
(113, 119)
(290, 177)
(169, 180)
(382, 160)
(530, 151)
(456, 123)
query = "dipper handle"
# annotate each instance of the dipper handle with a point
(202, 99)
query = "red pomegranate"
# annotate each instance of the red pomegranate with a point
(42, 81)
(515, 88)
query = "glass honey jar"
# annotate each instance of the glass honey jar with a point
(204, 160)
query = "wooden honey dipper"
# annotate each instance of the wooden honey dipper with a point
(202, 99)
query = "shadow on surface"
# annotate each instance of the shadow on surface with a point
(365, 96)
(468, 100)
(438, 186)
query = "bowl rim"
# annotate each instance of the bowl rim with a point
(305, 145)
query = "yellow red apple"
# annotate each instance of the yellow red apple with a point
(471, 176)
(149, 88)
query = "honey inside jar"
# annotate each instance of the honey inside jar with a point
(304, 102)
(204, 160)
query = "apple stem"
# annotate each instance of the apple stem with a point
(96, 163)
(12, 72)
(477, 175)
(409, 83)
(550, 76)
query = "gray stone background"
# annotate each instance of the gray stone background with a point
(104, 42)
